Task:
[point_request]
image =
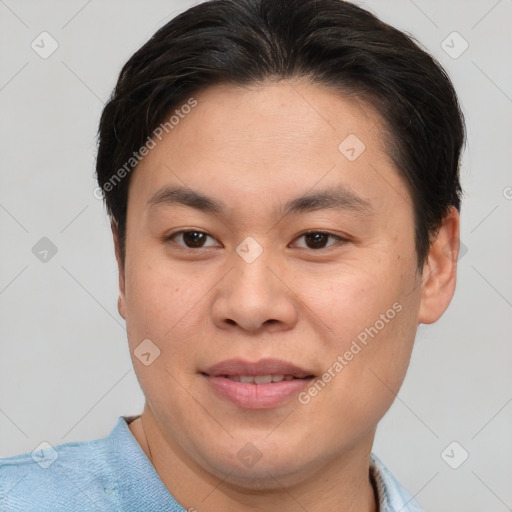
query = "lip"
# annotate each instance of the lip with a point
(256, 396)
(261, 367)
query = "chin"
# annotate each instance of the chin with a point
(266, 477)
(265, 472)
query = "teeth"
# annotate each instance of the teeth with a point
(263, 379)
(259, 379)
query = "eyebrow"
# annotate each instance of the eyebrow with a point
(335, 198)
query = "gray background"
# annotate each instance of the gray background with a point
(65, 371)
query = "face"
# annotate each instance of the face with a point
(269, 234)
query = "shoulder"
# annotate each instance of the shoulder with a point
(71, 476)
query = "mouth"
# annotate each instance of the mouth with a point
(264, 368)
(259, 379)
(263, 384)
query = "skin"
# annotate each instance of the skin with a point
(255, 148)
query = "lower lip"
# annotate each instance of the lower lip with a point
(257, 396)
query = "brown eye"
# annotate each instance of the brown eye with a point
(318, 240)
(191, 239)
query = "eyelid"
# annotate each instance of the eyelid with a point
(172, 236)
(339, 238)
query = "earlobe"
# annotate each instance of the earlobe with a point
(440, 270)
(120, 268)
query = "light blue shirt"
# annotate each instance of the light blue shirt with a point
(114, 474)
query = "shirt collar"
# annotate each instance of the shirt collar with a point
(391, 496)
(136, 482)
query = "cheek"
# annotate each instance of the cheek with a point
(348, 300)
(364, 372)
(370, 320)
(161, 302)
(165, 307)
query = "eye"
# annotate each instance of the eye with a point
(191, 239)
(318, 239)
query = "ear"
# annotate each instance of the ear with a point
(440, 270)
(120, 267)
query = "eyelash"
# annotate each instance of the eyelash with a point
(171, 238)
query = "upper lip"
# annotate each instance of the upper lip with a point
(253, 368)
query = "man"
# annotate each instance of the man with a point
(282, 181)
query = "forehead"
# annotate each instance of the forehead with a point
(279, 138)
(285, 118)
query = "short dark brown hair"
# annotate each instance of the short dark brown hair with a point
(329, 42)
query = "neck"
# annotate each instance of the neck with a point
(342, 485)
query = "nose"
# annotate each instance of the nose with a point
(256, 296)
